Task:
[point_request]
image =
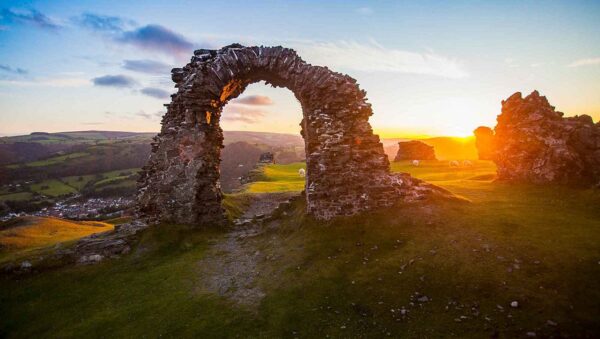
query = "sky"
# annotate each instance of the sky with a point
(430, 68)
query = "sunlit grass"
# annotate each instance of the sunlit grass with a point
(279, 178)
(28, 233)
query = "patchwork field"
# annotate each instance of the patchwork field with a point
(515, 261)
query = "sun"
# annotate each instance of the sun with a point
(461, 117)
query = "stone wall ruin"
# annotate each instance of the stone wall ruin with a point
(414, 150)
(534, 143)
(347, 170)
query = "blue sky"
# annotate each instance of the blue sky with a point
(429, 67)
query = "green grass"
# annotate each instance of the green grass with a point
(20, 196)
(348, 277)
(279, 178)
(235, 204)
(51, 161)
(73, 184)
(52, 188)
(117, 179)
(76, 183)
(111, 181)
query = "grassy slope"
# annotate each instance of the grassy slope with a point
(20, 196)
(52, 188)
(350, 277)
(51, 161)
(22, 235)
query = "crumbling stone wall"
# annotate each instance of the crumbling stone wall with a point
(414, 150)
(534, 143)
(347, 170)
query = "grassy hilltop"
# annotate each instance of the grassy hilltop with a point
(427, 269)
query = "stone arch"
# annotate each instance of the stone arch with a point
(347, 169)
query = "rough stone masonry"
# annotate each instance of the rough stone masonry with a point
(534, 143)
(347, 170)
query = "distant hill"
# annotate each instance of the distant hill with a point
(42, 145)
(73, 137)
(266, 138)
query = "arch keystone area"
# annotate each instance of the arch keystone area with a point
(347, 171)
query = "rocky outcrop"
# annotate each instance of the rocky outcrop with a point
(414, 150)
(484, 141)
(347, 170)
(535, 143)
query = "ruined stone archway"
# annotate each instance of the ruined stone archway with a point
(347, 170)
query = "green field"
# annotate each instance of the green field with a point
(20, 196)
(75, 184)
(279, 178)
(52, 188)
(78, 181)
(52, 161)
(350, 277)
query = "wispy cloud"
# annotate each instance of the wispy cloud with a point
(373, 57)
(114, 81)
(103, 23)
(585, 62)
(255, 100)
(155, 92)
(31, 17)
(157, 38)
(147, 66)
(150, 116)
(233, 112)
(151, 37)
(13, 70)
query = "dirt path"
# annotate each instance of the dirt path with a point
(230, 267)
(264, 204)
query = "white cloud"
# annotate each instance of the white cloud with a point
(372, 57)
(585, 62)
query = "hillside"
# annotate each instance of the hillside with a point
(27, 233)
(436, 268)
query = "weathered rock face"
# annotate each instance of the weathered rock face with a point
(534, 143)
(484, 141)
(414, 150)
(347, 170)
